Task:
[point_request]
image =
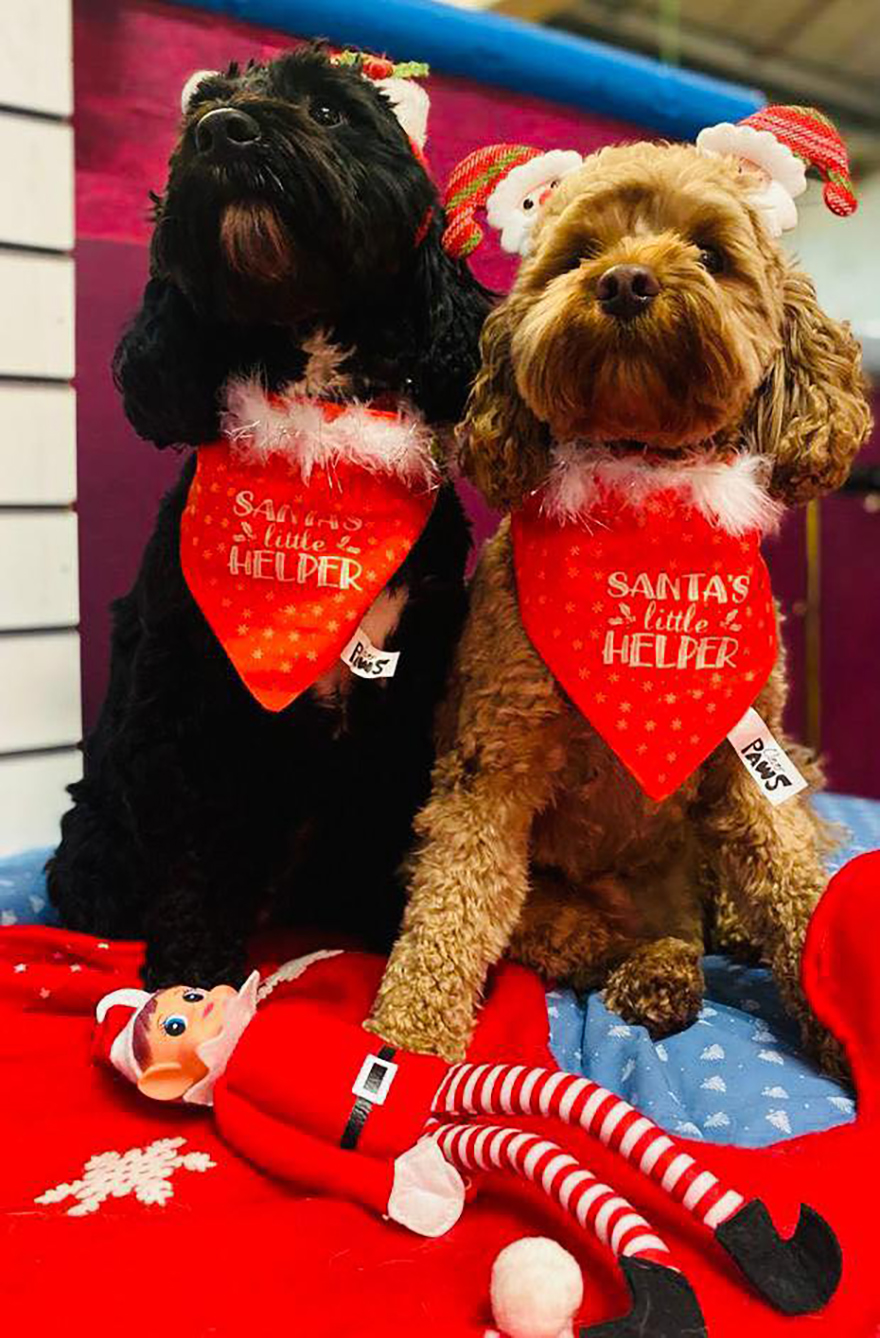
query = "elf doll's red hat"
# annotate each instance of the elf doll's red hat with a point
(113, 1041)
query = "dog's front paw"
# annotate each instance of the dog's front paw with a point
(659, 986)
(419, 1022)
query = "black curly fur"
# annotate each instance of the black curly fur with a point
(201, 814)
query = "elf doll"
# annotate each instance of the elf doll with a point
(398, 1132)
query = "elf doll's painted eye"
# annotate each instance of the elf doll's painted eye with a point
(174, 1025)
(193, 996)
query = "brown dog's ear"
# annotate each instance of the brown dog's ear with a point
(810, 415)
(503, 448)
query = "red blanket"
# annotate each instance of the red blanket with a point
(124, 1217)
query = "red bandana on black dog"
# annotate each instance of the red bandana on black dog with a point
(650, 608)
(294, 524)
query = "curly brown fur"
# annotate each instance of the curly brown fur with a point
(536, 840)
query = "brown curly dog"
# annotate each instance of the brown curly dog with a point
(537, 842)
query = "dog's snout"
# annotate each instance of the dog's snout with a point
(625, 291)
(225, 130)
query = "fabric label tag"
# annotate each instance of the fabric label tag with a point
(366, 660)
(769, 766)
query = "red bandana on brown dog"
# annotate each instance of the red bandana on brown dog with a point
(658, 624)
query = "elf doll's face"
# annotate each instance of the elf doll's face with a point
(181, 1020)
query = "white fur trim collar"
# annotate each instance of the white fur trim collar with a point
(730, 494)
(289, 424)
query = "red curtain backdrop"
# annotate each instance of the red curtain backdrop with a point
(131, 60)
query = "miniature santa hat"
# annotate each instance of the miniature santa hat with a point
(785, 141)
(112, 1044)
(509, 181)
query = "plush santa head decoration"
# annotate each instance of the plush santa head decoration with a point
(511, 182)
(779, 144)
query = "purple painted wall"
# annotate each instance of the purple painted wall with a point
(126, 111)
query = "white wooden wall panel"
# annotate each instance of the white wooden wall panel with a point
(36, 301)
(33, 798)
(39, 598)
(36, 199)
(38, 571)
(40, 673)
(36, 71)
(37, 445)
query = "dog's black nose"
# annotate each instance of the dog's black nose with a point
(625, 291)
(226, 130)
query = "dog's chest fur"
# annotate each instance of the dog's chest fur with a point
(600, 824)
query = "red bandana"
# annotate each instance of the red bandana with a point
(657, 623)
(284, 569)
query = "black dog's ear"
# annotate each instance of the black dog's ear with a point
(169, 368)
(450, 308)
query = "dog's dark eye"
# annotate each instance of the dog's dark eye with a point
(585, 249)
(325, 113)
(711, 259)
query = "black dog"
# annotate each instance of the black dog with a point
(296, 213)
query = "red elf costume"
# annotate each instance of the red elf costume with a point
(395, 1131)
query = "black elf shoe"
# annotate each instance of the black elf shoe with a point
(797, 1276)
(664, 1306)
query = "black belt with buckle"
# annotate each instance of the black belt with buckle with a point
(370, 1088)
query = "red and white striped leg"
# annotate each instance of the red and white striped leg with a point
(657, 1287)
(562, 1178)
(805, 1270)
(504, 1089)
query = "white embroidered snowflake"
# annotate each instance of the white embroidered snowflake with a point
(144, 1172)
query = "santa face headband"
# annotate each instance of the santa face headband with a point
(775, 146)
(293, 526)
(650, 604)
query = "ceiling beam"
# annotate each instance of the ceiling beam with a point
(627, 26)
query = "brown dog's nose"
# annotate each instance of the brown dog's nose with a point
(226, 130)
(625, 291)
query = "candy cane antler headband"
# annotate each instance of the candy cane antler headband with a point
(796, 1276)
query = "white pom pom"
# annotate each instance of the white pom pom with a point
(191, 85)
(536, 1289)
